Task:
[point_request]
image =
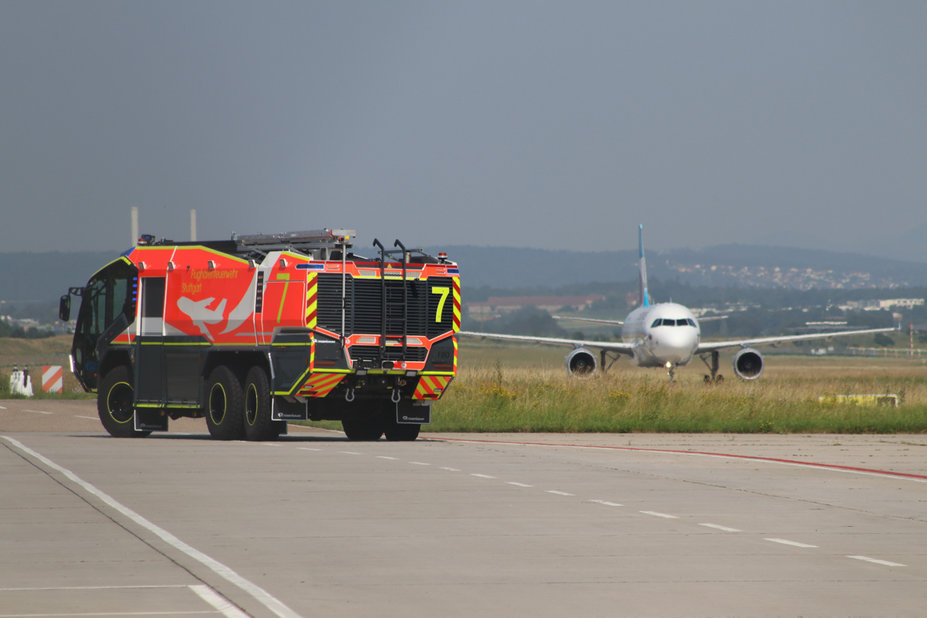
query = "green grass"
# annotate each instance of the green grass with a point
(520, 388)
(525, 389)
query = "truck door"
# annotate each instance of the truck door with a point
(107, 308)
(149, 366)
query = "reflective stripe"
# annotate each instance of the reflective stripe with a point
(312, 300)
(456, 307)
(321, 384)
(431, 387)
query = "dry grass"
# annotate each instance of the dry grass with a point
(524, 388)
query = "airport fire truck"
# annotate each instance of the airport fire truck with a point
(263, 329)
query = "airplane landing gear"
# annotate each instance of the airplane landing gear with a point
(715, 377)
(606, 361)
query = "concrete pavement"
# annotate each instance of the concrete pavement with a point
(462, 525)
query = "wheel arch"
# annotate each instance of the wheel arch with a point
(115, 358)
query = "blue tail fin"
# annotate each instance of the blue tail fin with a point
(645, 295)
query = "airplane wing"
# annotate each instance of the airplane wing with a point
(621, 323)
(708, 346)
(614, 346)
(592, 320)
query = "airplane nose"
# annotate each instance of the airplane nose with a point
(675, 345)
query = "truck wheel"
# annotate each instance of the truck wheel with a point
(224, 405)
(367, 429)
(115, 399)
(258, 425)
(401, 431)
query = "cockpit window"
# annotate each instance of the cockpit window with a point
(672, 322)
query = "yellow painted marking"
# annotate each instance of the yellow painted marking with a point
(444, 293)
(282, 277)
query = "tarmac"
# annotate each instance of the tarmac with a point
(455, 524)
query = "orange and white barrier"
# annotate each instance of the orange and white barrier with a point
(52, 379)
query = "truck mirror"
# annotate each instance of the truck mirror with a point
(64, 308)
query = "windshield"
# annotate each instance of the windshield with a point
(111, 294)
(673, 322)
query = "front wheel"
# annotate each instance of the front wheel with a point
(224, 405)
(116, 404)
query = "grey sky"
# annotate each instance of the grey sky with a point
(543, 124)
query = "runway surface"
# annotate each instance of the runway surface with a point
(177, 524)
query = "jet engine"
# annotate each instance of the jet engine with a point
(748, 364)
(581, 362)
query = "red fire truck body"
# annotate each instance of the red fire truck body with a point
(262, 329)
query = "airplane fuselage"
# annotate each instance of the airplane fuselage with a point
(660, 334)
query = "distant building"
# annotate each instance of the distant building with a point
(497, 305)
(882, 304)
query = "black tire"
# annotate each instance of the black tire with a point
(224, 405)
(116, 403)
(258, 425)
(402, 432)
(367, 429)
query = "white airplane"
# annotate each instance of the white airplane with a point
(665, 335)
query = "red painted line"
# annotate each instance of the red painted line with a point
(920, 477)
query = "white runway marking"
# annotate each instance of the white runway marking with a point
(658, 514)
(273, 604)
(38, 412)
(721, 528)
(791, 543)
(214, 599)
(89, 418)
(876, 561)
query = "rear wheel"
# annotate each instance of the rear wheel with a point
(224, 405)
(367, 429)
(402, 431)
(115, 404)
(258, 424)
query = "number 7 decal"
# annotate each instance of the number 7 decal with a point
(444, 292)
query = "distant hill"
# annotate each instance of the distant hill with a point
(724, 266)
(43, 277)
